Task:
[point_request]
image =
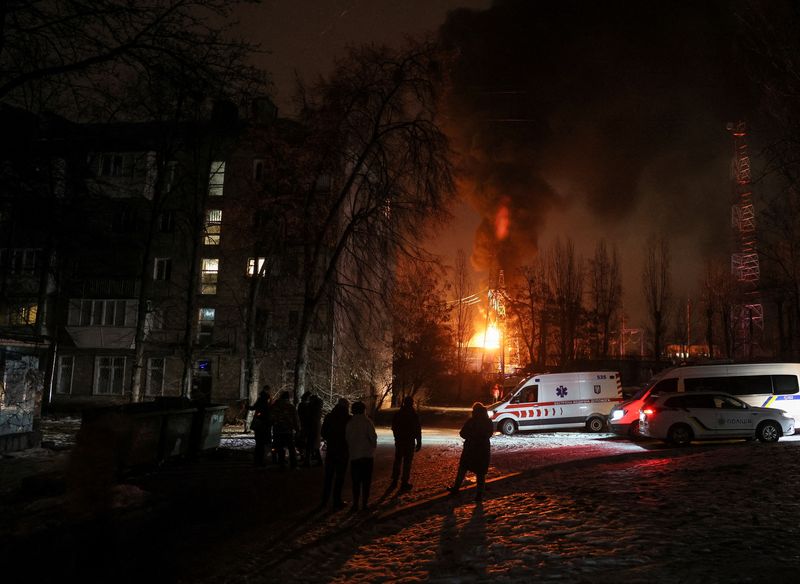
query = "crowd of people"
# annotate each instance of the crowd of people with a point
(348, 438)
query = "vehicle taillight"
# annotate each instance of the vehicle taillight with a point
(649, 411)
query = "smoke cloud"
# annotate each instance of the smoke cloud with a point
(618, 107)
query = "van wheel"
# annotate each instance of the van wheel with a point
(680, 435)
(595, 424)
(768, 432)
(508, 427)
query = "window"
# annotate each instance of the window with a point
(169, 183)
(21, 260)
(216, 178)
(209, 272)
(527, 395)
(166, 221)
(162, 268)
(665, 386)
(109, 375)
(111, 165)
(124, 220)
(101, 313)
(255, 265)
(66, 364)
(258, 169)
(213, 226)
(739, 385)
(23, 314)
(155, 376)
(205, 325)
(784, 384)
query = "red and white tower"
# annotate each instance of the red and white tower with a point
(749, 313)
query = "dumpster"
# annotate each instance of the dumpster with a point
(207, 433)
(176, 432)
(144, 433)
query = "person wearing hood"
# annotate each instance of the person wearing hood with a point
(476, 433)
(361, 443)
(407, 440)
(336, 456)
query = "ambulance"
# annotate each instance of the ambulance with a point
(550, 401)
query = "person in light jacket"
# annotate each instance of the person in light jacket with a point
(476, 433)
(361, 443)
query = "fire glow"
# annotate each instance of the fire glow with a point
(486, 339)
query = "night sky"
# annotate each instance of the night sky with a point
(583, 119)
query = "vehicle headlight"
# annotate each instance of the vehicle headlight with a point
(617, 414)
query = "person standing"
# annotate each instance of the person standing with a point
(361, 443)
(333, 431)
(407, 439)
(310, 414)
(261, 425)
(476, 433)
(284, 426)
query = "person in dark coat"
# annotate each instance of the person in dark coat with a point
(284, 426)
(261, 425)
(476, 433)
(310, 413)
(407, 439)
(336, 455)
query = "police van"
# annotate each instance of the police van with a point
(551, 401)
(766, 385)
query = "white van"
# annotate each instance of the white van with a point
(764, 385)
(559, 400)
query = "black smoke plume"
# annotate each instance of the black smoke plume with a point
(608, 104)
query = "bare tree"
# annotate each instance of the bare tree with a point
(605, 293)
(530, 304)
(463, 315)
(656, 285)
(421, 332)
(373, 140)
(566, 283)
(74, 52)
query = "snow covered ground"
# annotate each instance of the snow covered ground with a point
(562, 506)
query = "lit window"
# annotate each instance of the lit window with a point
(205, 325)
(213, 226)
(216, 178)
(65, 367)
(162, 269)
(109, 375)
(23, 314)
(254, 268)
(209, 272)
(155, 376)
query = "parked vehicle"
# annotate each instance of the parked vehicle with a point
(558, 400)
(769, 385)
(680, 418)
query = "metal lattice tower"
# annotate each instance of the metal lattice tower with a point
(744, 259)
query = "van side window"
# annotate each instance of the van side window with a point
(527, 395)
(699, 401)
(737, 385)
(531, 394)
(666, 385)
(784, 384)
